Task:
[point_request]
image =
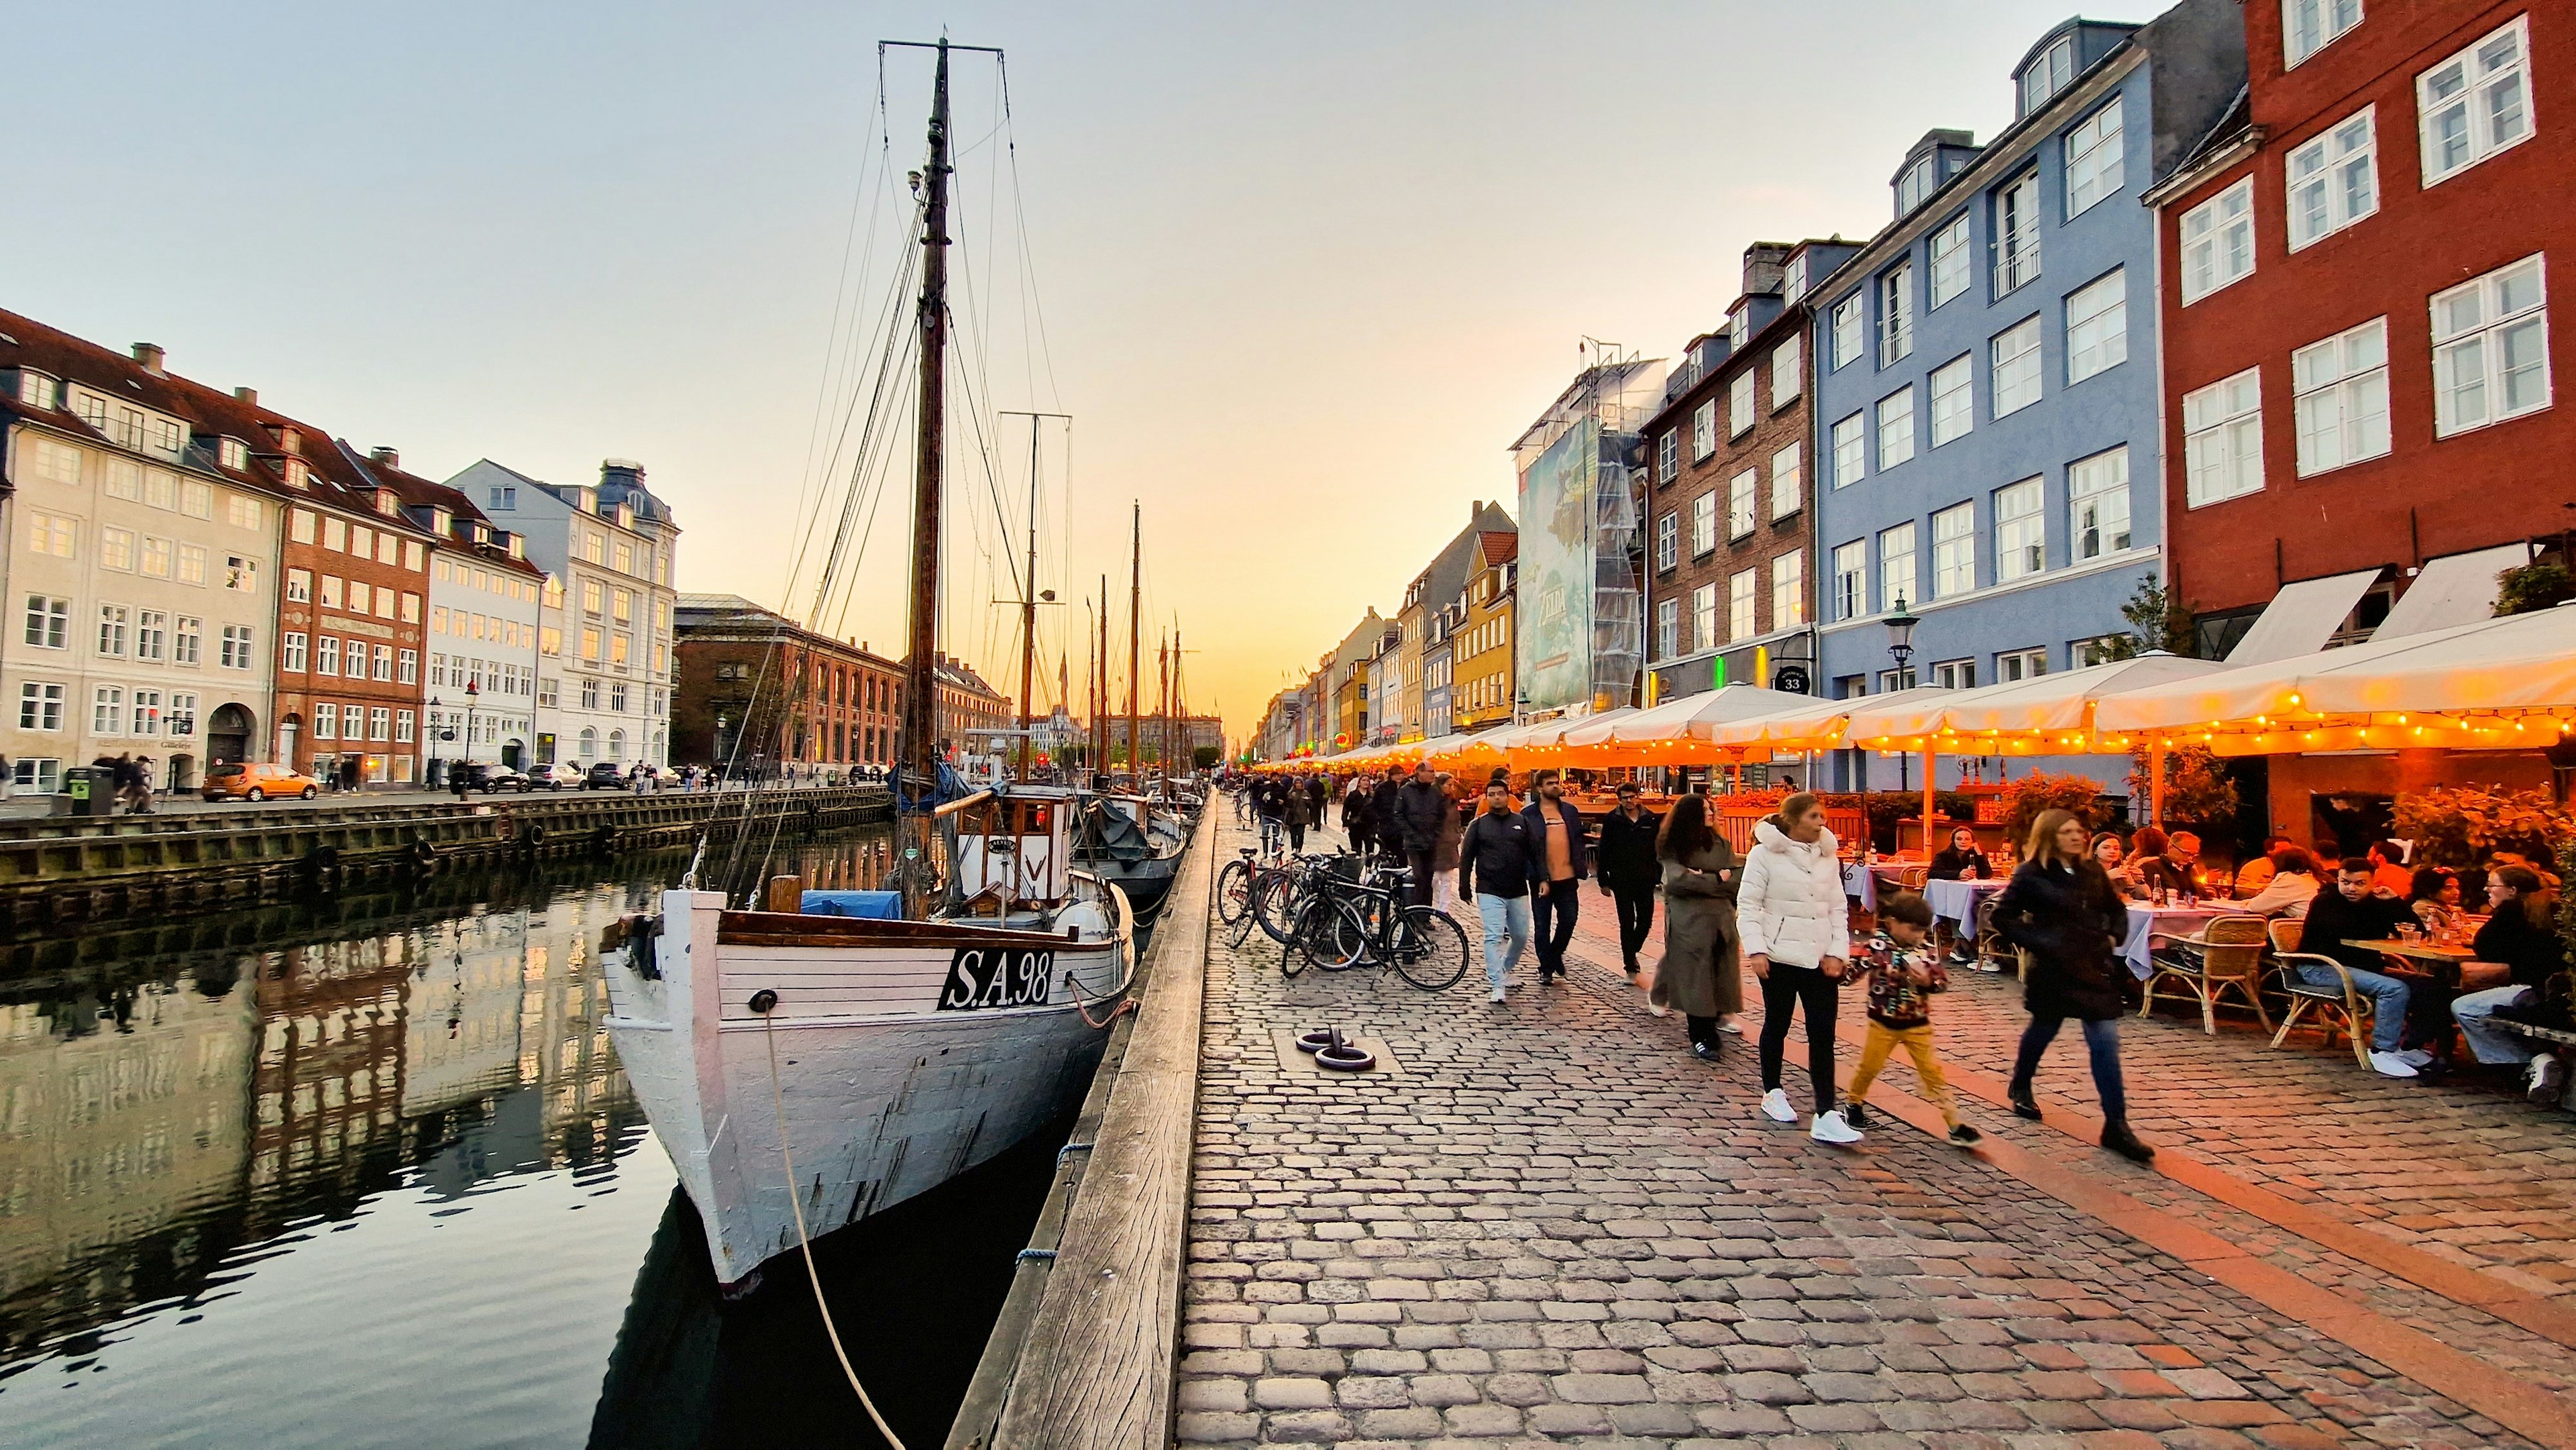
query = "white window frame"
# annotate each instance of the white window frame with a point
(1896, 313)
(2340, 387)
(1793, 279)
(1704, 616)
(1743, 589)
(1742, 513)
(1954, 550)
(2217, 240)
(2501, 319)
(2048, 75)
(2309, 26)
(1848, 330)
(1704, 524)
(1948, 250)
(1704, 431)
(1788, 370)
(1894, 416)
(2476, 99)
(1788, 481)
(2097, 505)
(1668, 627)
(1668, 456)
(48, 622)
(1851, 579)
(2093, 153)
(2222, 439)
(1850, 437)
(2097, 326)
(1668, 541)
(1789, 590)
(2332, 182)
(2021, 530)
(2020, 664)
(2009, 371)
(1739, 403)
(1896, 565)
(40, 705)
(1954, 399)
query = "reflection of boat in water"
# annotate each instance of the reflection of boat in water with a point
(914, 1291)
(892, 1040)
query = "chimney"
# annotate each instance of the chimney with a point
(1766, 266)
(149, 354)
(249, 397)
(390, 458)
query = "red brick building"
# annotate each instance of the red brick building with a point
(754, 686)
(2357, 347)
(1731, 567)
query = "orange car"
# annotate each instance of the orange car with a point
(236, 781)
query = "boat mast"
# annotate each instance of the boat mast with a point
(920, 700)
(1100, 705)
(1029, 598)
(1135, 642)
(1163, 702)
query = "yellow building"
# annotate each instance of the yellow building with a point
(1482, 688)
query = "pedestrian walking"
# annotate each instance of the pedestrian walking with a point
(1497, 861)
(1319, 796)
(1797, 940)
(1627, 864)
(1297, 814)
(2060, 911)
(1270, 799)
(1903, 973)
(1444, 860)
(1556, 896)
(1702, 969)
(1419, 806)
(1383, 802)
(1355, 813)
(8, 779)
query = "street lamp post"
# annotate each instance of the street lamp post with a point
(1900, 647)
(472, 693)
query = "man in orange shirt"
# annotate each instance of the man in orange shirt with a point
(1556, 827)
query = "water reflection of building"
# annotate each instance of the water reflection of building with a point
(327, 1090)
(118, 1123)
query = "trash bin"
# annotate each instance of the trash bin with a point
(92, 791)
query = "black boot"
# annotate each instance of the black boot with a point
(2023, 1105)
(2117, 1137)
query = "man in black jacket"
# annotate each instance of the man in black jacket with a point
(1495, 868)
(2349, 911)
(1419, 807)
(1556, 873)
(1625, 862)
(1382, 813)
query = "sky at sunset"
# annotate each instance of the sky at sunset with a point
(1305, 270)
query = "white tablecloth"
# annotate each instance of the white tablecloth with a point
(2163, 921)
(1956, 901)
(1861, 883)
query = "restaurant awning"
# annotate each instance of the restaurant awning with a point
(1809, 725)
(1673, 719)
(2302, 617)
(2453, 590)
(2495, 685)
(2042, 715)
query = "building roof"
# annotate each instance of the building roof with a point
(1499, 548)
(416, 492)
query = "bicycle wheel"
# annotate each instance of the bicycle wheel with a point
(1233, 891)
(1429, 948)
(1326, 935)
(1276, 897)
(1292, 955)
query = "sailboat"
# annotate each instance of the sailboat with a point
(898, 1038)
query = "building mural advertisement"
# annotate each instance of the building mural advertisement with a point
(1556, 570)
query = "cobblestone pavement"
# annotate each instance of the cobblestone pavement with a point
(1553, 1226)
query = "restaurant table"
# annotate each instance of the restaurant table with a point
(1956, 902)
(2440, 960)
(1862, 882)
(2146, 922)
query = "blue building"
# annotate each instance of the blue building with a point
(1986, 398)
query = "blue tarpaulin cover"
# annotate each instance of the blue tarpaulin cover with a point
(875, 905)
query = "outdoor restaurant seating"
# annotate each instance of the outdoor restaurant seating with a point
(2339, 1008)
(2228, 954)
(1990, 943)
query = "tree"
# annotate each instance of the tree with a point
(2532, 588)
(1205, 757)
(2455, 825)
(2157, 620)
(2197, 790)
(2039, 791)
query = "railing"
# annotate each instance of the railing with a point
(2016, 265)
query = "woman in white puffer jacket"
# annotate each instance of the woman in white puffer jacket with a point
(1797, 939)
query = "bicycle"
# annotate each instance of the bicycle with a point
(1351, 924)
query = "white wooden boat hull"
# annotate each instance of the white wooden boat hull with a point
(899, 1064)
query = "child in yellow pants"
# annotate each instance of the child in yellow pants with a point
(1903, 973)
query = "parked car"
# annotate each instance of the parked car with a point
(605, 775)
(235, 780)
(491, 779)
(556, 775)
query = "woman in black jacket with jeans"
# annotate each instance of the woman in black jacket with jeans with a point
(2061, 910)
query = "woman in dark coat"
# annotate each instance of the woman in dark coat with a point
(2061, 911)
(1702, 972)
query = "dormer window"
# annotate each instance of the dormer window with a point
(626, 515)
(2048, 74)
(387, 504)
(518, 546)
(296, 474)
(1740, 326)
(1793, 281)
(35, 390)
(442, 522)
(233, 454)
(1914, 185)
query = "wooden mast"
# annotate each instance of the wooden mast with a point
(1100, 706)
(1163, 702)
(1029, 612)
(920, 699)
(1135, 642)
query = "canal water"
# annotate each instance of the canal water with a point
(364, 1172)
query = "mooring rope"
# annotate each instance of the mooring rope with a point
(795, 1203)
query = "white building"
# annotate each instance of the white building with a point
(604, 625)
(141, 564)
(485, 597)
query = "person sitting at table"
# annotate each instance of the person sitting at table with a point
(2256, 874)
(2115, 864)
(2292, 887)
(2357, 911)
(2146, 857)
(2518, 939)
(2388, 867)
(2433, 895)
(2327, 852)
(1961, 860)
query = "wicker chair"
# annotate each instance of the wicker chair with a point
(1911, 877)
(2338, 1008)
(1990, 946)
(2228, 954)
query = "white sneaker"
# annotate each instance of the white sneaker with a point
(2415, 1057)
(1495, 996)
(1830, 1128)
(2389, 1064)
(1775, 1106)
(2547, 1073)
